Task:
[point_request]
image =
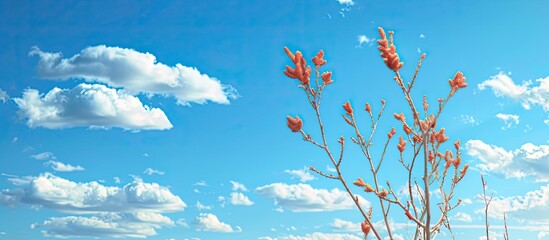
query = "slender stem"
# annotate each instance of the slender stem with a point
(506, 236)
(486, 204)
(427, 231)
(364, 147)
(340, 175)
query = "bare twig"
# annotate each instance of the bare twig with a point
(486, 204)
(506, 235)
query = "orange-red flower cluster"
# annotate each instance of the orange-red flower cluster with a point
(458, 81)
(365, 228)
(440, 137)
(400, 117)
(327, 78)
(348, 108)
(383, 193)
(401, 144)
(449, 158)
(425, 104)
(368, 108)
(416, 138)
(409, 215)
(463, 172)
(429, 122)
(457, 162)
(295, 124)
(368, 188)
(391, 133)
(406, 128)
(431, 157)
(388, 51)
(317, 60)
(302, 72)
(457, 144)
(359, 182)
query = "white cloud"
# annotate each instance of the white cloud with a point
(221, 201)
(304, 198)
(89, 105)
(182, 222)
(503, 86)
(201, 183)
(346, 2)
(421, 35)
(469, 120)
(50, 191)
(240, 199)
(493, 235)
(527, 161)
(134, 71)
(238, 186)
(150, 171)
(62, 167)
(133, 211)
(510, 227)
(202, 207)
(466, 201)
(303, 174)
(345, 226)
(322, 236)
(363, 39)
(508, 119)
(4, 97)
(210, 223)
(461, 216)
(112, 225)
(44, 156)
(266, 238)
(532, 207)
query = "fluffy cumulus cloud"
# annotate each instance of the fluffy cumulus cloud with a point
(91, 105)
(53, 192)
(461, 216)
(508, 119)
(202, 207)
(62, 167)
(532, 207)
(346, 2)
(240, 199)
(112, 225)
(305, 198)
(4, 97)
(503, 86)
(345, 226)
(44, 156)
(302, 174)
(527, 161)
(150, 171)
(210, 223)
(469, 120)
(322, 236)
(238, 186)
(364, 40)
(135, 72)
(132, 211)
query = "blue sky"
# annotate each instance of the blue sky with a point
(167, 120)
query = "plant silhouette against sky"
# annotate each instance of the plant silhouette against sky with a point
(441, 170)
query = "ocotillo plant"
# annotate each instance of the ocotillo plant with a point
(421, 134)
